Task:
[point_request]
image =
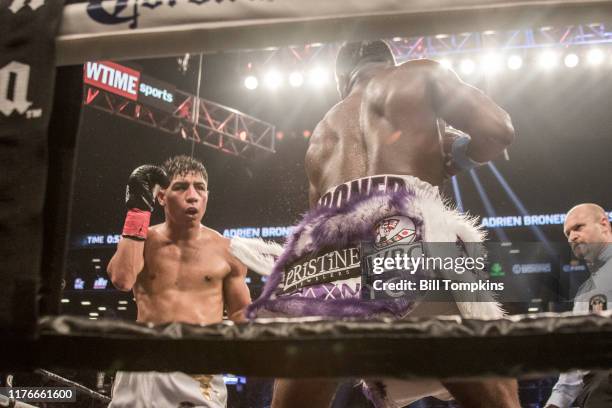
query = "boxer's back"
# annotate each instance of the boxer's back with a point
(386, 127)
(336, 152)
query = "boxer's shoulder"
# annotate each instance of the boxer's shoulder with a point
(388, 81)
(342, 113)
(210, 237)
(395, 87)
(423, 65)
(155, 235)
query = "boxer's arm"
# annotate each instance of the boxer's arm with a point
(236, 292)
(450, 137)
(126, 264)
(128, 260)
(313, 195)
(471, 111)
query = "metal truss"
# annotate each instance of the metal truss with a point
(211, 124)
(543, 37)
(448, 44)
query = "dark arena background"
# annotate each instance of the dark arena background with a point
(257, 110)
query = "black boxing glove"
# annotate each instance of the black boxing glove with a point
(139, 199)
(139, 190)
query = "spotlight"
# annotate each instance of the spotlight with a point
(467, 66)
(548, 60)
(242, 135)
(94, 314)
(251, 82)
(595, 56)
(273, 80)
(121, 308)
(515, 62)
(446, 63)
(65, 300)
(122, 302)
(571, 60)
(296, 79)
(280, 135)
(102, 308)
(490, 63)
(85, 303)
(318, 76)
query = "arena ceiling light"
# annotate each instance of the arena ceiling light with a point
(296, 79)
(273, 80)
(595, 56)
(548, 60)
(85, 302)
(446, 63)
(467, 66)
(515, 62)
(65, 300)
(571, 60)
(318, 77)
(490, 63)
(251, 82)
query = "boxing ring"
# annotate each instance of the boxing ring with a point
(444, 347)
(37, 152)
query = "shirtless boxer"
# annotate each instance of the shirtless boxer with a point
(179, 271)
(380, 153)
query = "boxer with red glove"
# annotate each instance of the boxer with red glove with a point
(140, 199)
(179, 271)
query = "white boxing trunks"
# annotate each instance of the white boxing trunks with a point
(153, 389)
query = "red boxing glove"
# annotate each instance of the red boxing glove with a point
(136, 224)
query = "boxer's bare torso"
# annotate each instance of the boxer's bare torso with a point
(182, 281)
(389, 124)
(183, 271)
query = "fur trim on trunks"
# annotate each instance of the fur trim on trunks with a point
(340, 227)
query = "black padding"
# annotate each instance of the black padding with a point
(442, 348)
(27, 74)
(63, 132)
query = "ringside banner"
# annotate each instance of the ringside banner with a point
(130, 83)
(27, 80)
(158, 94)
(114, 29)
(112, 77)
